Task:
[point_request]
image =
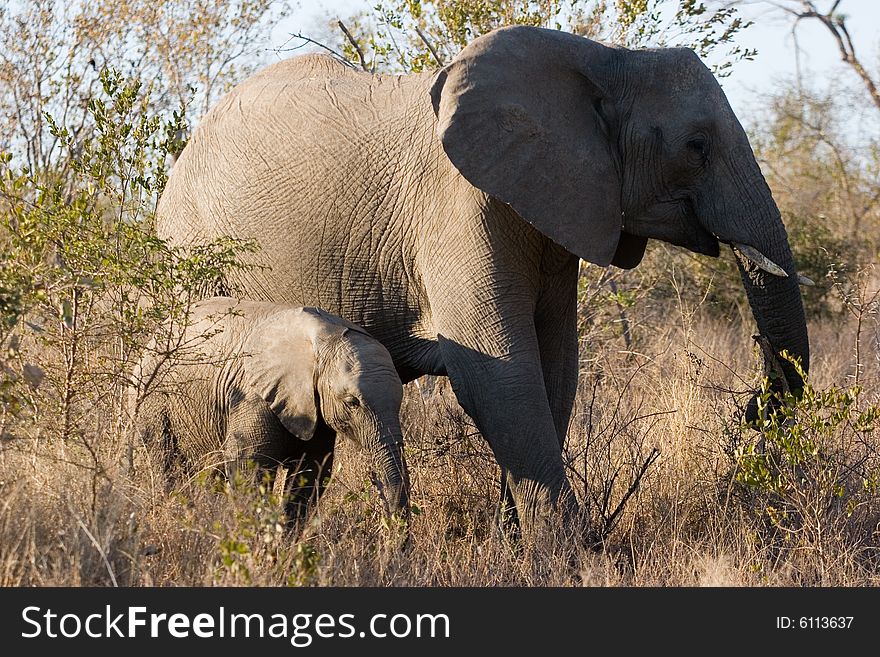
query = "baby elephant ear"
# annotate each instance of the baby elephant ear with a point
(281, 367)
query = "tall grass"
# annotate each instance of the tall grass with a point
(690, 521)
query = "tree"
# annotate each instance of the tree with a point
(52, 53)
(84, 282)
(814, 166)
(416, 35)
(834, 20)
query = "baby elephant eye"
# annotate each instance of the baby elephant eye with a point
(351, 401)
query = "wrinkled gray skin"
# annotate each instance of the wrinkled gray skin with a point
(276, 384)
(445, 212)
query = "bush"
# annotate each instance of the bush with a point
(85, 281)
(811, 480)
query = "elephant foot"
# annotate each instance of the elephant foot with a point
(564, 523)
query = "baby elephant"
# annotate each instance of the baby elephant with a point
(275, 384)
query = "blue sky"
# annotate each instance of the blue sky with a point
(820, 57)
(751, 80)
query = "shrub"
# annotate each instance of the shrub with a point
(811, 479)
(85, 281)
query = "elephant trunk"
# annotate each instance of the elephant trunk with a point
(742, 213)
(775, 299)
(392, 479)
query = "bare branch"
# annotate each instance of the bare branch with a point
(841, 35)
(307, 40)
(857, 65)
(609, 521)
(355, 45)
(429, 45)
(836, 25)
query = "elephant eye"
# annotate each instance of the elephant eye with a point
(351, 401)
(699, 147)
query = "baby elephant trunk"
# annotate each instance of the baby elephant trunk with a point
(390, 475)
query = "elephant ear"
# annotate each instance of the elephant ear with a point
(334, 324)
(524, 115)
(282, 370)
(630, 250)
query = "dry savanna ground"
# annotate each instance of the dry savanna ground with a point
(683, 494)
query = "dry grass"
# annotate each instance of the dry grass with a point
(70, 517)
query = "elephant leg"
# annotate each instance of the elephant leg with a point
(505, 396)
(153, 431)
(493, 363)
(254, 434)
(484, 295)
(556, 328)
(556, 331)
(310, 465)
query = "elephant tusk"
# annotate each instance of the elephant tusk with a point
(760, 260)
(803, 280)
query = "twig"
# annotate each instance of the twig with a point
(609, 521)
(306, 40)
(100, 551)
(837, 26)
(645, 416)
(355, 45)
(430, 46)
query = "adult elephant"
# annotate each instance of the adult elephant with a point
(445, 212)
